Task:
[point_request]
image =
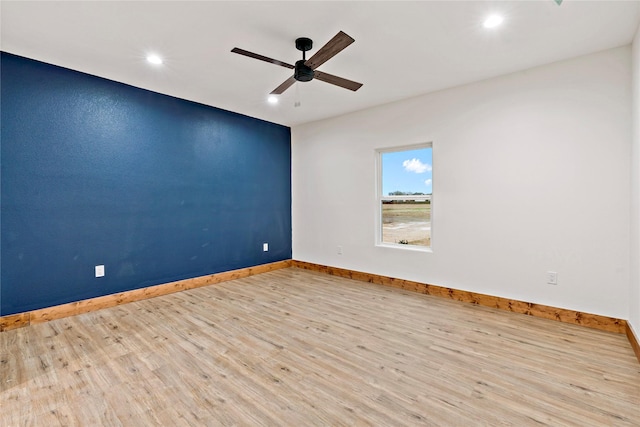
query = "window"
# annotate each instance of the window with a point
(405, 182)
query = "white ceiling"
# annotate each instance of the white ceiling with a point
(402, 49)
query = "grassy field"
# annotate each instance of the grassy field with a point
(406, 222)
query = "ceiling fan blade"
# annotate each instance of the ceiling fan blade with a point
(261, 57)
(284, 86)
(329, 50)
(338, 81)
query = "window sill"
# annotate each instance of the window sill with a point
(413, 248)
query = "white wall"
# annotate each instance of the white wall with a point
(531, 173)
(634, 315)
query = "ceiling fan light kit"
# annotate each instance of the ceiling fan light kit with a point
(305, 69)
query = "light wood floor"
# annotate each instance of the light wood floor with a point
(297, 348)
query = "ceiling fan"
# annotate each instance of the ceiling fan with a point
(305, 69)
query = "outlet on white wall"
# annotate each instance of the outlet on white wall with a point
(99, 270)
(552, 277)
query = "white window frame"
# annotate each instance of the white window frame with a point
(380, 198)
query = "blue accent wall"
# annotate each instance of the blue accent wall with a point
(153, 187)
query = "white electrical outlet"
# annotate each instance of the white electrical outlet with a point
(339, 250)
(99, 270)
(552, 277)
(265, 247)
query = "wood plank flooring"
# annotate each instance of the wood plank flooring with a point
(299, 348)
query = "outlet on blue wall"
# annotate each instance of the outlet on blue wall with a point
(155, 188)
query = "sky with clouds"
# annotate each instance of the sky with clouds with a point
(408, 171)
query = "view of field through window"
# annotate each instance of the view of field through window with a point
(405, 201)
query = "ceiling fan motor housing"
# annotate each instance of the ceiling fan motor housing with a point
(302, 73)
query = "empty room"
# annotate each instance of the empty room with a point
(292, 213)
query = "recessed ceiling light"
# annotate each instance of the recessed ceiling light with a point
(493, 21)
(154, 59)
(272, 99)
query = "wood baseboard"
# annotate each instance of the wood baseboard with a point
(14, 321)
(20, 320)
(634, 340)
(594, 321)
